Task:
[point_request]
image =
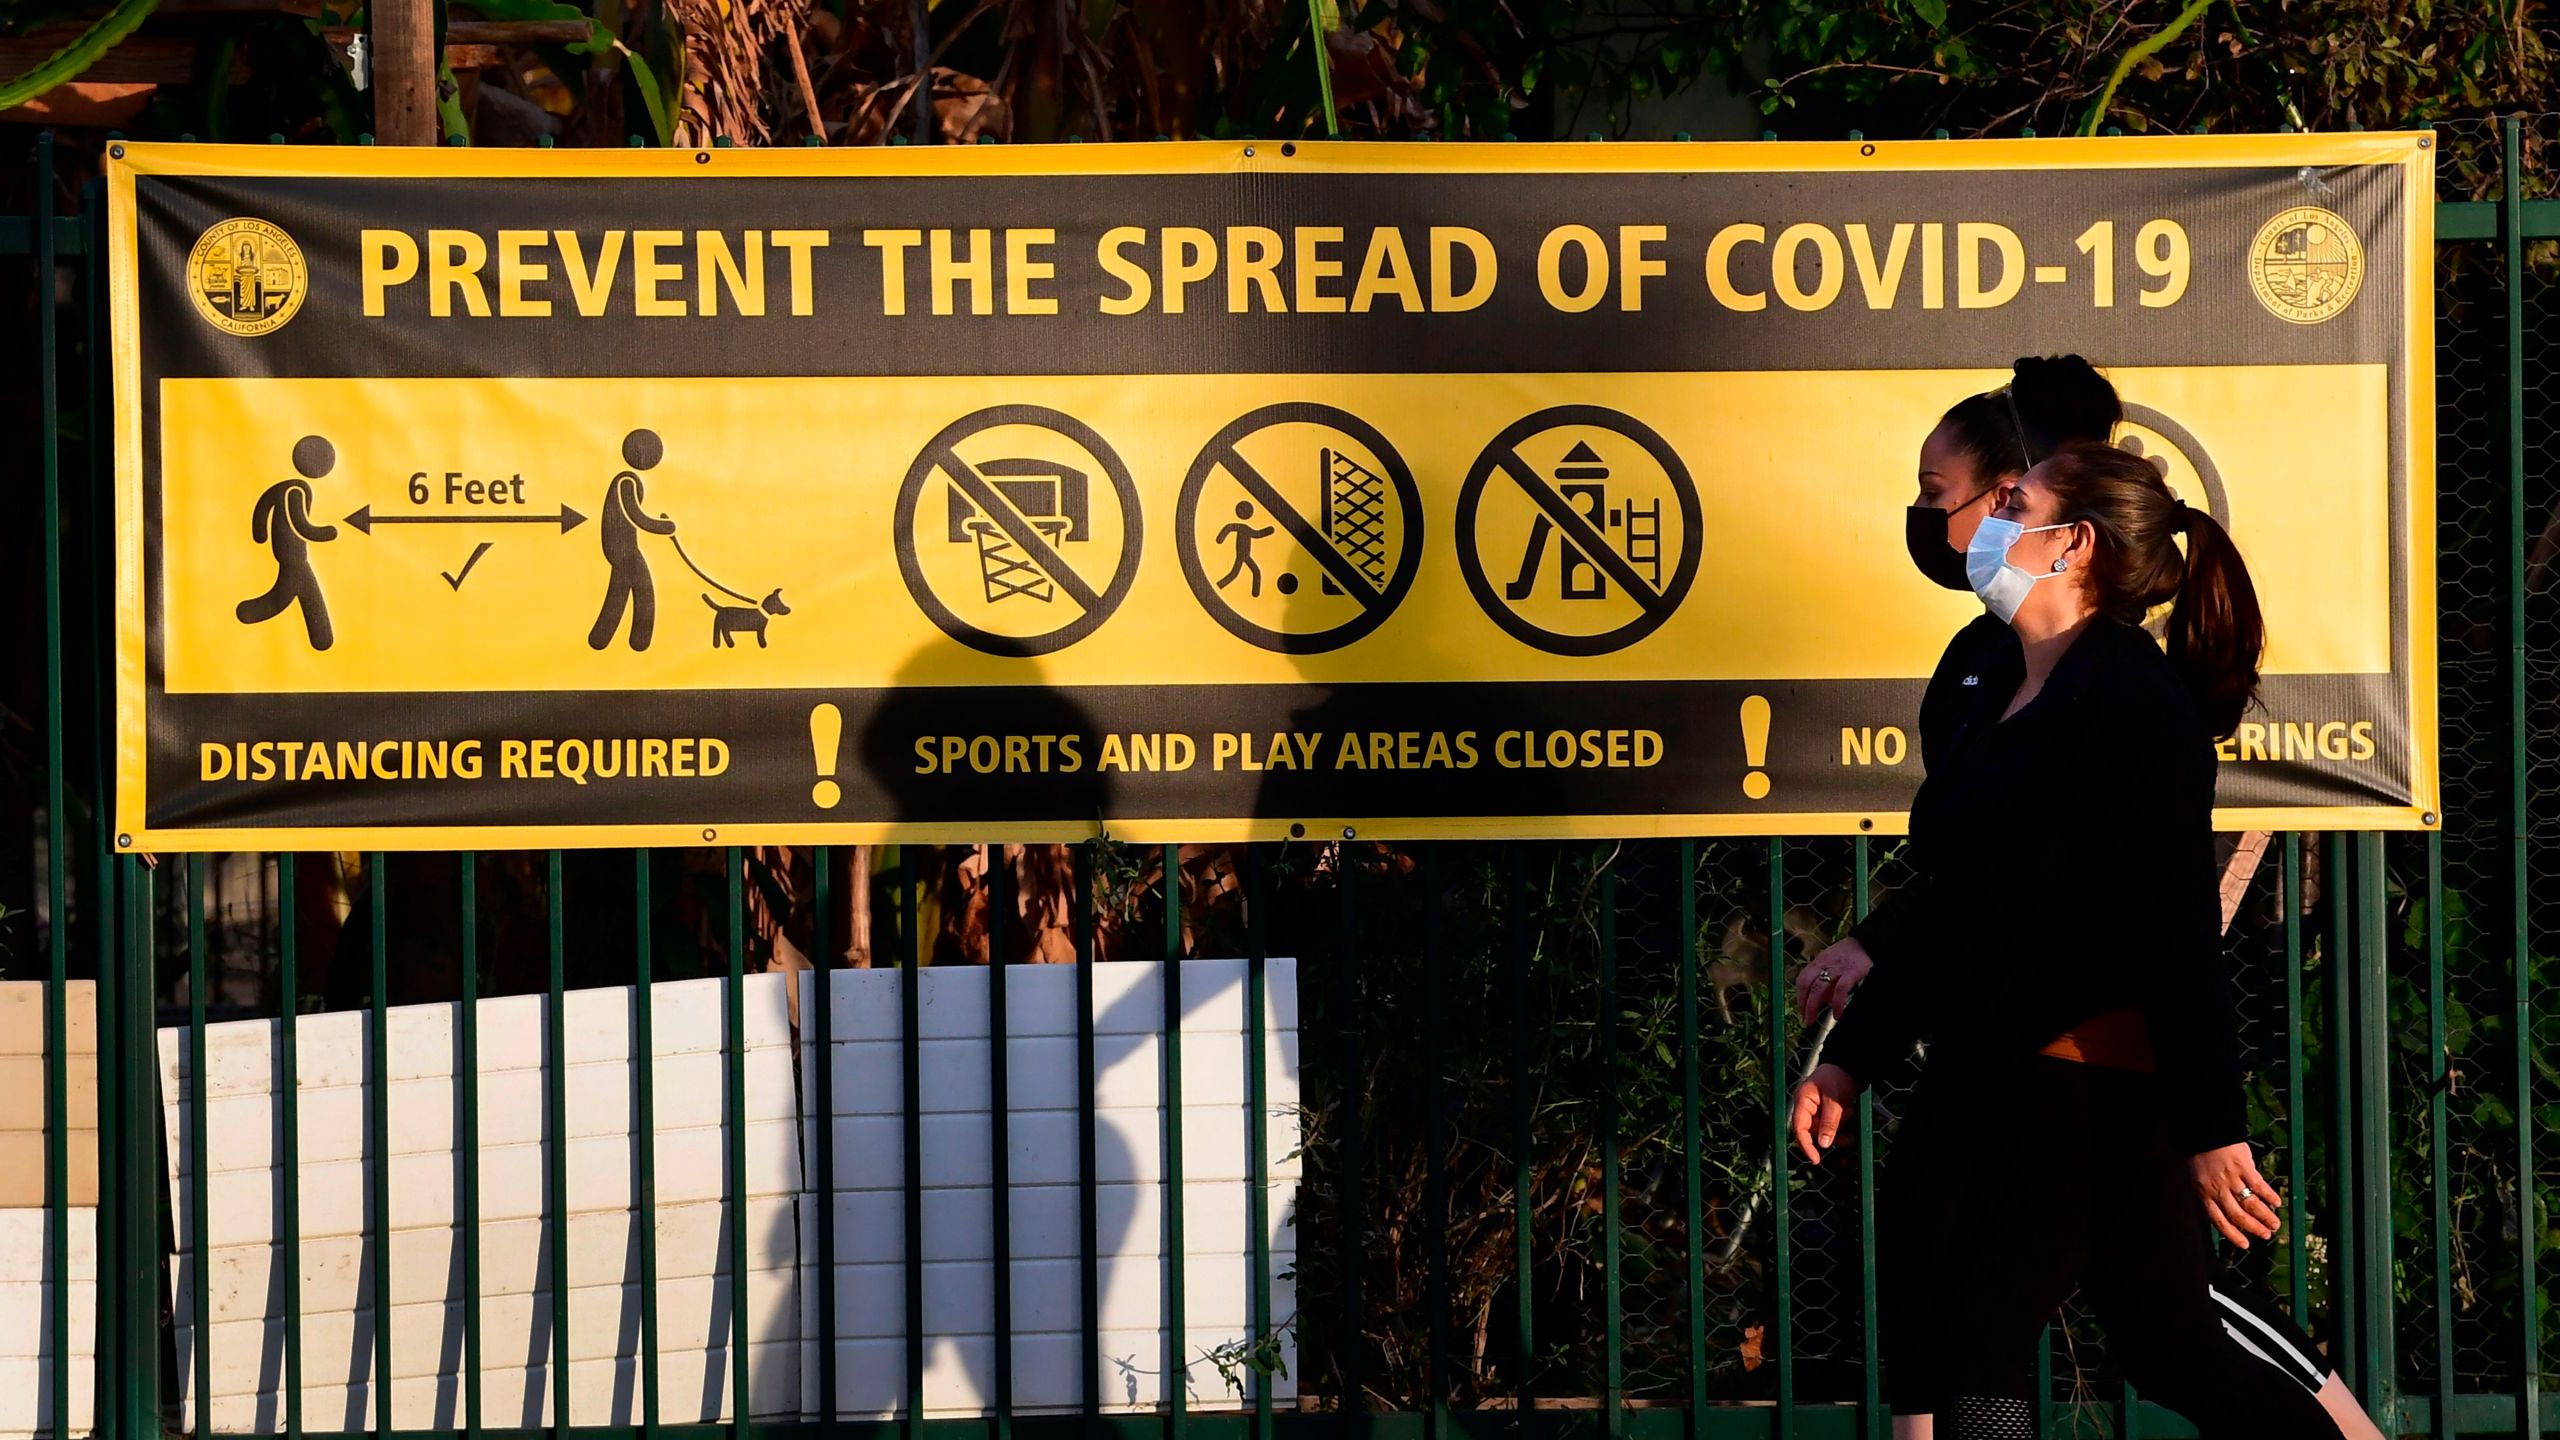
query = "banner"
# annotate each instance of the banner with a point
(1200, 491)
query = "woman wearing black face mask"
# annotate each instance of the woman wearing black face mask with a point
(2080, 1118)
(1968, 467)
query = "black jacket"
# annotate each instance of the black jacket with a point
(2065, 869)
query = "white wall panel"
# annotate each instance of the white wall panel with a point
(957, 1130)
(249, 1289)
(249, 1301)
(28, 1280)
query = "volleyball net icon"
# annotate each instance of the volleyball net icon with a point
(1354, 516)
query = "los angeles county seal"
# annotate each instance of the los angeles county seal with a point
(2306, 265)
(247, 277)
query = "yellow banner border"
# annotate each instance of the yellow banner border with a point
(2411, 150)
(1214, 157)
(1206, 831)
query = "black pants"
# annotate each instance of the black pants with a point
(2012, 1182)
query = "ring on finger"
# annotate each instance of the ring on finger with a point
(1825, 976)
(2248, 1194)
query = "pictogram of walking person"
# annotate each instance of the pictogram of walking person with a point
(281, 520)
(623, 520)
(1244, 533)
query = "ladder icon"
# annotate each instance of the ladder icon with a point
(1644, 539)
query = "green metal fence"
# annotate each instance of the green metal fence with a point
(1541, 1082)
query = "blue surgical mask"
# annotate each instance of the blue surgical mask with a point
(2002, 586)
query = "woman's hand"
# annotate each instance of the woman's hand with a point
(2236, 1197)
(1821, 1100)
(1829, 979)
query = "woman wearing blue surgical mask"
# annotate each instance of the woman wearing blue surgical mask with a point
(2079, 1122)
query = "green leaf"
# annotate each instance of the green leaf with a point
(64, 65)
(449, 105)
(1932, 13)
(651, 96)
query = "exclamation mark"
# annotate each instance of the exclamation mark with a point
(826, 727)
(1755, 746)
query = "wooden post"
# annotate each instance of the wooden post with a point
(404, 72)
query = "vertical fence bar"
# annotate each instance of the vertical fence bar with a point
(1782, 1275)
(289, 1110)
(1000, 1136)
(1435, 1140)
(57, 946)
(734, 1056)
(1613, 1398)
(98, 900)
(112, 1325)
(2297, 1153)
(2337, 972)
(378, 1097)
(911, 1121)
(2520, 870)
(644, 1132)
(200, 1293)
(2373, 1136)
(1088, 1153)
(1258, 1123)
(1347, 1003)
(555, 1100)
(1872, 1415)
(467, 1133)
(1524, 1331)
(1692, 1216)
(1178, 1377)
(818, 1012)
(108, 913)
(2042, 1420)
(138, 1208)
(2439, 1092)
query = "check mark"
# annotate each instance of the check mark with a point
(456, 580)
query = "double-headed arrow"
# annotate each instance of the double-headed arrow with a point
(364, 519)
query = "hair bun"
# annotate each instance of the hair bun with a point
(2061, 399)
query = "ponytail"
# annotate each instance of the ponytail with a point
(2216, 634)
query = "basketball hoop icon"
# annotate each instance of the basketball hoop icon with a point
(1054, 499)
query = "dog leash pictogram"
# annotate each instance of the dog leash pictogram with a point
(707, 580)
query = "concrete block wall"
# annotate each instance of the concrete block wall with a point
(32, 1277)
(1138, 1353)
(248, 1304)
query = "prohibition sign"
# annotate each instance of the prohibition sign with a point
(1654, 601)
(1350, 542)
(1032, 566)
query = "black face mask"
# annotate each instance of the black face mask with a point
(1924, 531)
